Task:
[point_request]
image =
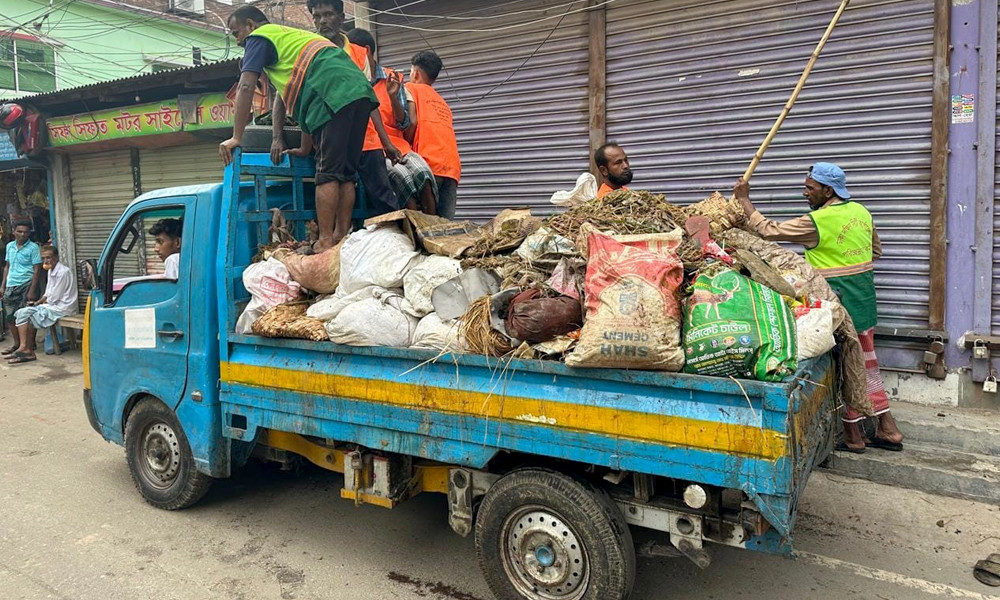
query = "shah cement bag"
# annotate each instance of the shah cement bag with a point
(633, 314)
(738, 327)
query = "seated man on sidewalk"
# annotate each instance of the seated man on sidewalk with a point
(59, 301)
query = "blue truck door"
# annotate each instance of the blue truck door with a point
(140, 318)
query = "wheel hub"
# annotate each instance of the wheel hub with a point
(162, 455)
(544, 555)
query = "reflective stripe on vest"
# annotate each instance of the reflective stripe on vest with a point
(845, 237)
(295, 49)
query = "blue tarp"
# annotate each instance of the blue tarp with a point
(8, 155)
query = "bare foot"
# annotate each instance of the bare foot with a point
(887, 429)
(853, 438)
(323, 244)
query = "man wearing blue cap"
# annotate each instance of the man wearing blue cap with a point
(841, 243)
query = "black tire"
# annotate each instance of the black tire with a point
(160, 459)
(543, 535)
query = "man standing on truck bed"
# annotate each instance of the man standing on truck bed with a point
(841, 242)
(616, 172)
(324, 90)
(433, 132)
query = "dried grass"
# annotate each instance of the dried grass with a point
(478, 332)
(622, 212)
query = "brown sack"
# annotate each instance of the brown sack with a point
(534, 320)
(319, 273)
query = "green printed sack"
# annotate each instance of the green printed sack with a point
(736, 326)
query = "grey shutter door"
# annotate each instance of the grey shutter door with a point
(189, 164)
(101, 185)
(995, 313)
(160, 168)
(526, 138)
(694, 88)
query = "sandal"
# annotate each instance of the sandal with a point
(842, 447)
(988, 570)
(9, 351)
(877, 442)
(21, 358)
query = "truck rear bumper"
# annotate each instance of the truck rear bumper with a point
(88, 404)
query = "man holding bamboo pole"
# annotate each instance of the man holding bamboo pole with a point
(841, 243)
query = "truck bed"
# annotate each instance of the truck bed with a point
(760, 438)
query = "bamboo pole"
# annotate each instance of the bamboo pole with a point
(795, 93)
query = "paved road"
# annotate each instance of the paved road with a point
(73, 527)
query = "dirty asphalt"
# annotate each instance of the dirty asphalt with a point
(73, 527)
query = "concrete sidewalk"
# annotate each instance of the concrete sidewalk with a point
(72, 526)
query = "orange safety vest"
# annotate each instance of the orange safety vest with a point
(607, 189)
(435, 135)
(359, 54)
(388, 118)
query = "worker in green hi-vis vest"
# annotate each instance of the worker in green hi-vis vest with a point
(321, 87)
(841, 243)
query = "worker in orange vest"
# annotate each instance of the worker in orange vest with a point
(612, 162)
(432, 135)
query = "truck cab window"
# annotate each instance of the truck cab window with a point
(147, 250)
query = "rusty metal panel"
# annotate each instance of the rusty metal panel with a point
(518, 93)
(694, 89)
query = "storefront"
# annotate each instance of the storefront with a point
(23, 194)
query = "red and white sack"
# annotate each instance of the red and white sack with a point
(633, 313)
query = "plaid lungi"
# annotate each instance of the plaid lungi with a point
(876, 388)
(408, 178)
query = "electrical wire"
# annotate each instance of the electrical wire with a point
(494, 29)
(391, 12)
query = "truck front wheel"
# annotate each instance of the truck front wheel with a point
(160, 459)
(543, 535)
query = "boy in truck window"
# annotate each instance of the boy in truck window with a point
(168, 245)
(59, 301)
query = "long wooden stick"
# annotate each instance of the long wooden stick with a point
(795, 93)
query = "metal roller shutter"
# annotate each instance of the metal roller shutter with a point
(175, 166)
(693, 88)
(996, 210)
(189, 164)
(101, 185)
(528, 137)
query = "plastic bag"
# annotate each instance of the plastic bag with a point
(533, 319)
(381, 319)
(738, 327)
(269, 284)
(420, 281)
(814, 330)
(584, 191)
(380, 255)
(633, 318)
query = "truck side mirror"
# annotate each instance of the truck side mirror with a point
(88, 275)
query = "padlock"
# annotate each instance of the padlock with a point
(937, 370)
(930, 357)
(990, 385)
(980, 350)
(937, 346)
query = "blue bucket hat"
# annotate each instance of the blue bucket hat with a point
(831, 175)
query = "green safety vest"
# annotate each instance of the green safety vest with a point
(844, 257)
(314, 77)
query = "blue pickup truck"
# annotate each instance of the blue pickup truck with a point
(549, 467)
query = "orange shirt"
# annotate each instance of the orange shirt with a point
(359, 54)
(607, 189)
(434, 138)
(388, 118)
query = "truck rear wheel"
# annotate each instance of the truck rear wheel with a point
(543, 535)
(160, 459)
